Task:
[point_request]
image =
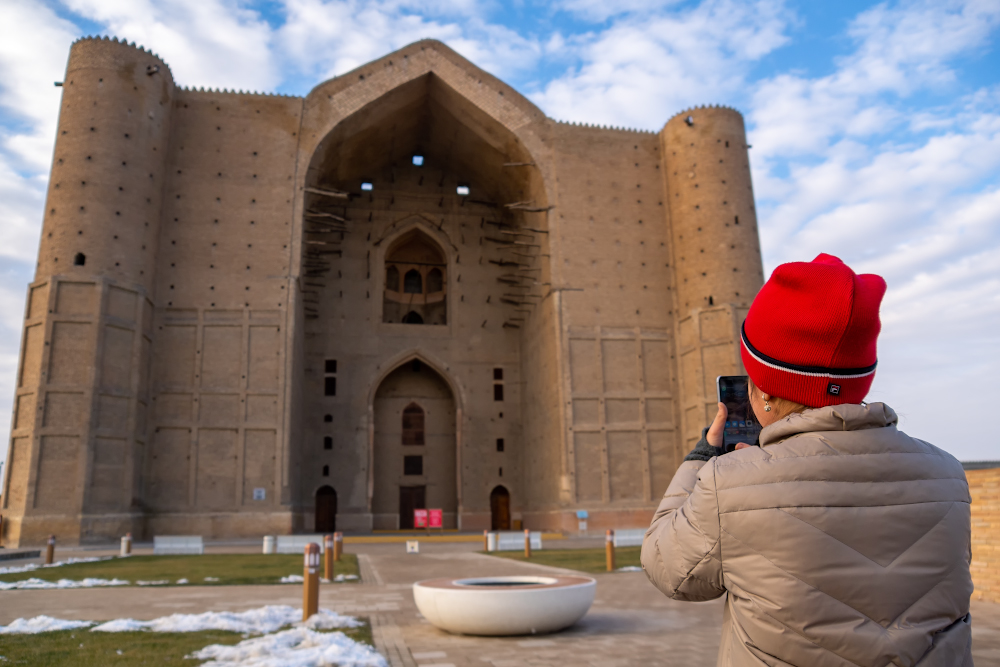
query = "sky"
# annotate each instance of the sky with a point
(875, 134)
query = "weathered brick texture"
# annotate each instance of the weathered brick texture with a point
(984, 486)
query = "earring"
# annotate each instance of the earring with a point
(767, 407)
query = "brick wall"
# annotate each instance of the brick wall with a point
(985, 488)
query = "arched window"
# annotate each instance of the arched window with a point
(416, 281)
(413, 425)
(435, 281)
(413, 283)
(392, 279)
(326, 471)
(80, 259)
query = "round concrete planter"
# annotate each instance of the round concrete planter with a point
(504, 605)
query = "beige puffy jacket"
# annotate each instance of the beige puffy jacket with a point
(841, 542)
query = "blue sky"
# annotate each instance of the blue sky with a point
(875, 132)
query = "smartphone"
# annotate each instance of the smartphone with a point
(741, 424)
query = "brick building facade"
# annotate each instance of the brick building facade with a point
(264, 314)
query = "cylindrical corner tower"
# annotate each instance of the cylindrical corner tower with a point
(79, 420)
(716, 250)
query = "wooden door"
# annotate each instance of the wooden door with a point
(326, 510)
(410, 498)
(500, 509)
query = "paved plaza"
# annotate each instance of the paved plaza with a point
(631, 623)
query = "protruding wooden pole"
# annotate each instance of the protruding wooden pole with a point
(609, 550)
(527, 543)
(50, 550)
(310, 584)
(338, 546)
(328, 551)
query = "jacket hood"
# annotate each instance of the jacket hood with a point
(846, 417)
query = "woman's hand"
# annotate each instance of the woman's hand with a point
(714, 435)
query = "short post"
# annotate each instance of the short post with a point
(269, 547)
(527, 543)
(328, 557)
(50, 550)
(338, 546)
(310, 584)
(486, 540)
(126, 545)
(609, 550)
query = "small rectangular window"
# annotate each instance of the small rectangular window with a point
(462, 190)
(413, 465)
(498, 392)
(331, 365)
(330, 386)
(499, 444)
(327, 442)
(497, 373)
(367, 186)
(418, 160)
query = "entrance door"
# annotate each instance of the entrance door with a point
(326, 510)
(410, 498)
(500, 508)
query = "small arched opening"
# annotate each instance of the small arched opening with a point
(415, 291)
(500, 508)
(326, 510)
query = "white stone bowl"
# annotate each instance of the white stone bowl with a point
(495, 606)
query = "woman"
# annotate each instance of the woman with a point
(840, 540)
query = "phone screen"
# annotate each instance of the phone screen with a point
(741, 425)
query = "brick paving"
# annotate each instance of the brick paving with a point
(629, 624)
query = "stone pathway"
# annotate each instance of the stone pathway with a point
(631, 623)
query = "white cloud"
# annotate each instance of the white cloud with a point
(326, 39)
(211, 43)
(648, 66)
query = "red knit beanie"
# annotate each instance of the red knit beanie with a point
(811, 331)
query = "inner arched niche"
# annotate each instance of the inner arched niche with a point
(461, 145)
(363, 179)
(415, 281)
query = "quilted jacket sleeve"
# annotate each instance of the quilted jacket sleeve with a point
(681, 552)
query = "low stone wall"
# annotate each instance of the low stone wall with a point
(984, 485)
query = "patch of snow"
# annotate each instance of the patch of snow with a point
(211, 578)
(292, 579)
(159, 582)
(298, 647)
(34, 583)
(255, 621)
(32, 626)
(15, 569)
(345, 577)
(630, 568)
(182, 581)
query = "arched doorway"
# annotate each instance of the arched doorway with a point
(326, 510)
(414, 457)
(500, 509)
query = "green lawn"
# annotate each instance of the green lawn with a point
(229, 569)
(82, 648)
(585, 560)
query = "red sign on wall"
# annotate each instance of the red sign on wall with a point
(419, 518)
(435, 518)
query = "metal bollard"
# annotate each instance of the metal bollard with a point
(609, 550)
(310, 584)
(328, 551)
(486, 540)
(126, 545)
(527, 543)
(338, 546)
(269, 547)
(50, 550)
